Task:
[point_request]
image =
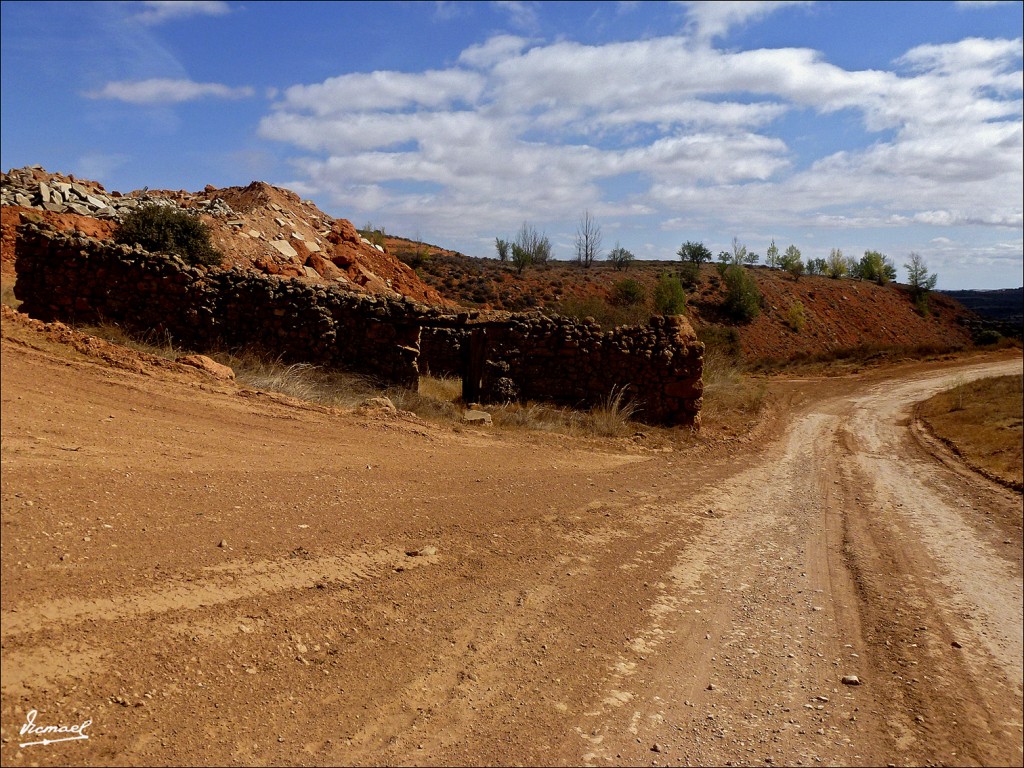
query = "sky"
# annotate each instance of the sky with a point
(885, 126)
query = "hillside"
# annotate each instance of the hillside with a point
(838, 316)
(259, 227)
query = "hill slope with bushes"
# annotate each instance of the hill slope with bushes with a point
(795, 319)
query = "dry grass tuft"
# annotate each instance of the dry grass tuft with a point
(982, 421)
(535, 416)
(302, 381)
(448, 388)
(613, 417)
(151, 344)
(731, 396)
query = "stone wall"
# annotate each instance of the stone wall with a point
(532, 356)
(500, 356)
(78, 279)
(443, 350)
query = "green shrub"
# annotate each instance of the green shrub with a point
(414, 256)
(875, 266)
(620, 257)
(837, 265)
(530, 247)
(724, 340)
(694, 253)
(792, 263)
(742, 297)
(502, 247)
(669, 297)
(689, 274)
(628, 293)
(601, 311)
(169, 229)
(521, 258)
(796, 318)
(988, 336)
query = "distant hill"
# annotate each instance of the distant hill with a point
(1002, 304)
(1003, 308)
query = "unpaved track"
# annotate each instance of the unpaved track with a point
(583, 605)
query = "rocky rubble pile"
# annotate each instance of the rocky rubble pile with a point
(25, 187)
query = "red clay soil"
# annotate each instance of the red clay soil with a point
(199, 574)
(838, 315)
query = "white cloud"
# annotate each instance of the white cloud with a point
(521, 14)
(708, 20)
(159, 11)
(378, 91)
(514, 132)
(977, 4)
(166, 91)
(492, 51)
(969, 55)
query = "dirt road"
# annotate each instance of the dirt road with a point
(215, 577)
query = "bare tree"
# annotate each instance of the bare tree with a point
(739, 252)
(588, 240)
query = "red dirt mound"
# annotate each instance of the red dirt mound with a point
(260, 227)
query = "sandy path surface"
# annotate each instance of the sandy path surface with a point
(216, 577)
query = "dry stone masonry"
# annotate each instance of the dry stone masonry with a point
(79, 279)
(531, 356)
(500, 356)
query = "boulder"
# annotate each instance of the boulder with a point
(209, 367)
(284, 248)
(480, 418)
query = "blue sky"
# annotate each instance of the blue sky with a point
(886, 126)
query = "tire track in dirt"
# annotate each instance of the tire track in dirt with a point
(221, 584)
(29, 654)
(770, 616)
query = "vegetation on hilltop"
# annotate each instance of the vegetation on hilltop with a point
(839, 308)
